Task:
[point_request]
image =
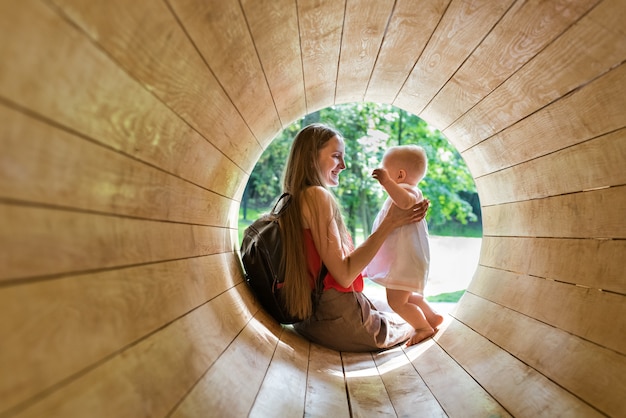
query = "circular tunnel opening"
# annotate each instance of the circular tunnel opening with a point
(454, 219)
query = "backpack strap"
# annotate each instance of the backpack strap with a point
(281, 204)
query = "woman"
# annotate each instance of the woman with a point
(344, 319)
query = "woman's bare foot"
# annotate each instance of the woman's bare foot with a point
(420, 335)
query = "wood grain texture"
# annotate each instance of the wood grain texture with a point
(526, 29)
(128, 132)
(284, 386)
(405, 38)
(76, 85)
(321, 25)
(42, 242)
(565, 359)
(407, 391)
(366, 390)
(581, 311)
(217, 28)
(445, 52)
(274, 28)
(54, 329)
(587, 113)
(326, 389)
(456, 391)
(591, 47)
(567, 216)
(146, 40)
(594, 164)
(523, 391)
(219, 392)
(598, 264)
(363, 29)
(80, 174)
(150, 377)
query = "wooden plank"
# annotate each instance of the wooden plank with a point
(593, 374)
(75, 84)
(150, 377)
(52, 330)
(594, 110)
(591, 47)
(593, 214)
(523, 391)
(456, 391)
(363, 29)
(326, 389)
(222, 392)
(602, 158)
(405, 38)
(597, 264)
(321, 25)
(284, 388)
(366, 390)
(459, 32)
(148, 42)
(580, 311)
(274, 28)
(39, 241)
(84, 175)
(407, 391)
(217, 28)
(524, 31)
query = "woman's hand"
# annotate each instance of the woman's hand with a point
(399, 217)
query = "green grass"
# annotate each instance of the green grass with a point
(452, 297)
(253, 214)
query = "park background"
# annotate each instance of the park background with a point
(454, 217)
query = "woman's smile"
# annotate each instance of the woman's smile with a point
(331, 162)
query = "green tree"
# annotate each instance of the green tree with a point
(368, 129)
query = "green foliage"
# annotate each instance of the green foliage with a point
(368, 129)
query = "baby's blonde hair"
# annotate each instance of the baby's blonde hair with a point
(410, 158)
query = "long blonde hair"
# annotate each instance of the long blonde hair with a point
(301, 172)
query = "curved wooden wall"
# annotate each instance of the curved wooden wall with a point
(128, 130)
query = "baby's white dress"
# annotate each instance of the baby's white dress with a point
(403, 260)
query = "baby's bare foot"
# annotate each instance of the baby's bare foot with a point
(435, 320)
(420, 335)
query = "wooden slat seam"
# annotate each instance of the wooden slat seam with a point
(555, 151)
(537, 320)
(191, 388)
(33, 279)
(67, 18)
(556, 37)
(68, 129)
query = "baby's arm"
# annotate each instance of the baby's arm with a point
(403, 197)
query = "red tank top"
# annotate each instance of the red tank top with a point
(315, 263)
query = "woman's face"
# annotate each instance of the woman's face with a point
(330, 161)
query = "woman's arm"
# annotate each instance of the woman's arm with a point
(345, 266)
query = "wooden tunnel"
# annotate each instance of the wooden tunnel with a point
(128, 130)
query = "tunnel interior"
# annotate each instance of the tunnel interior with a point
(129, 130)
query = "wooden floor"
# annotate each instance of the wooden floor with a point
(296, 378)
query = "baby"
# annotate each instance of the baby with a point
(401, 264)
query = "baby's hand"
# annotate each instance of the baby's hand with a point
(381, 175)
